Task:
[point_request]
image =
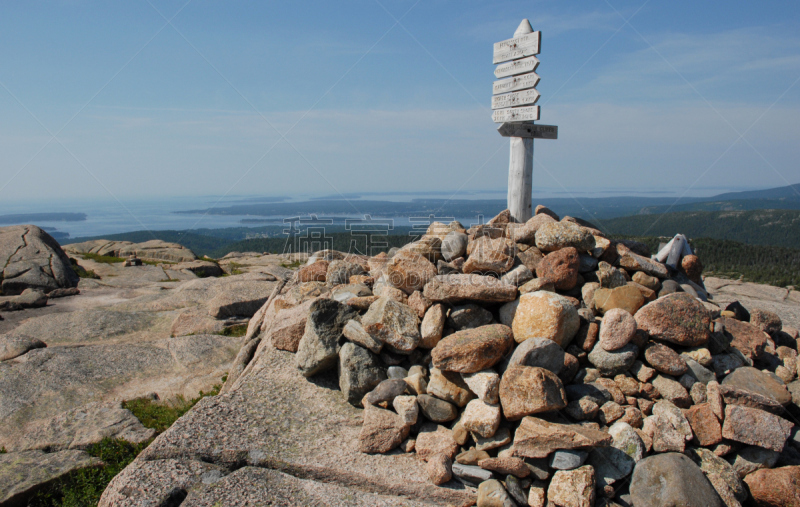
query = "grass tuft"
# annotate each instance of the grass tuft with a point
(105, 259)
(235, 331)
(80, 271)
(84, 487)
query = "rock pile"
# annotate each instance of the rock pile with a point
(545, 364)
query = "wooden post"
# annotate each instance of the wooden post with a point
(520, 164)
(520, 179)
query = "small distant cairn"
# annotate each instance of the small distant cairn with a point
(546, 364)
(132, 260)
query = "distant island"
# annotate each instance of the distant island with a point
(29, 218)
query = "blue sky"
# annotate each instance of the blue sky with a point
(288, 98)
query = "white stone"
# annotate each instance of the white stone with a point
(481, 418)
(486, 384)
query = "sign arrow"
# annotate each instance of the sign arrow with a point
(511, 49)
(516, 114)
(522, 66)
(513, 84)
(522, 98)
(528, 131)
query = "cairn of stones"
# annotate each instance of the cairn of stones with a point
(546, 364)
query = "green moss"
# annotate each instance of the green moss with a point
(160, 415)
(235, 331)
(80, 271)
(105, 259)
(3, 449)
(234, 267)
(83, 487)
(291, 265)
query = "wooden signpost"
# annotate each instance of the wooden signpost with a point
(512, 105)
(516, 67)
(522, 98)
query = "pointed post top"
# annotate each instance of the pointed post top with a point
(523, 28)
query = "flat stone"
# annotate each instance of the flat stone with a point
(316, 272)
(386, 391)
(697, 371)
(435, 409)
(617, 329)
(538, 352)
(526, 390)
(671, 479)
(355, 332)
(506, 466)
(471, 456)
(627, 298)
(573, 488)
(756, 427)
(491, 493)
(566, 459)
(409, 271)
(394, 324)
(678, 319)
(545, 315)
(487, 255)
(705, 425)
(471, 473)
(472, 350)
(552, 236)
(518, 276)
(736, 396)
(340, 271)
(610, 465)
(450, 387)
(499, 439)
(672, 391)
(83, 426)
(536, 438)
(779, 486)
(22, 474)
(751, 379)
(664, 359)
(634, 262)
(615, 362)
(469, 287)
(12, 346)
(434, 439)
(468, 316)
(744, 337)
(383, 430)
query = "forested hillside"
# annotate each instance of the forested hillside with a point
(757, 227)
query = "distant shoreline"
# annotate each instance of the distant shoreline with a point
(26, 218)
